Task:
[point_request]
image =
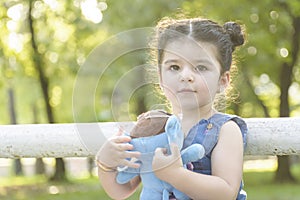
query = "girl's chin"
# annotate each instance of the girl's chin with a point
(190, 104)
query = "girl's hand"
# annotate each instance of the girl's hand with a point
(164, 165)
(115, 150)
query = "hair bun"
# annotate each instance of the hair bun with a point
(235, 32)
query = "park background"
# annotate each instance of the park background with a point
(43, 44)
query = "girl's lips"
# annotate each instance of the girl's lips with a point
(186, 90)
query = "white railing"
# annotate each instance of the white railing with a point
(267, 136)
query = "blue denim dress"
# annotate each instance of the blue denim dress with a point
(206, 132)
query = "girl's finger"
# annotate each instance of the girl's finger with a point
(124, 146)
(121, 139)
(130, 164)
(132, 154)
(174, 150)
(160, 151)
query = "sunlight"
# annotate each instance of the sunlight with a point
(55, 99)
(28, 161)
(53, 189)
(15, 12)
(39, 8)
(252, 50)
(259, 165)
(53, 4)
(15, 42)
(12, 25)
(52, 56)
(265, 86)
(5, 162)
(92, 11)
(63, 31)
(254, 18)
(294, 93)
(283, 52)
(49, 161)
(274, 14)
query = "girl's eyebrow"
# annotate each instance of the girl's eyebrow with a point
(202, 60)
(171, 61)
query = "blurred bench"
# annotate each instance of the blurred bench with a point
(267, 136)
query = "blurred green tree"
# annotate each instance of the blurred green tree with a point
(48, 41)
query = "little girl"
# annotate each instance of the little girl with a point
(194, 57)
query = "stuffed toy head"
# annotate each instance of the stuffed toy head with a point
(155, 122)
(150, 123)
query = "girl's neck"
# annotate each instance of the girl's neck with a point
(191, 117)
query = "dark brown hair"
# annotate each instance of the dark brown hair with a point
(225, 37)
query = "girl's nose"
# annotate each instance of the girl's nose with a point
(186, 75)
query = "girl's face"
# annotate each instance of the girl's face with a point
(190, 74)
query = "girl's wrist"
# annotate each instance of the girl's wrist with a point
(168, 175)
(105, 168)
(179, 173)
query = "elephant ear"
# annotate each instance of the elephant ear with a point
(174, 132)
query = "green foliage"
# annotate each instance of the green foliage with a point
(65, 38)
(65, 35)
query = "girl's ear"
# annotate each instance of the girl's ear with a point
(224, 81)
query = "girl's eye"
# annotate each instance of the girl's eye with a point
(174, 67)
(200, 68)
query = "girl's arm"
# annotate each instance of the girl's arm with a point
(113, 153)
(226, 162)
(115, 190)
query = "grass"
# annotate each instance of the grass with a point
(258, 185)
(38, 188)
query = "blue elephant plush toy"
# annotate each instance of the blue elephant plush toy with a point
(154, 188)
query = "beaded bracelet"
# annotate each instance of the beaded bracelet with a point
(105, 169)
